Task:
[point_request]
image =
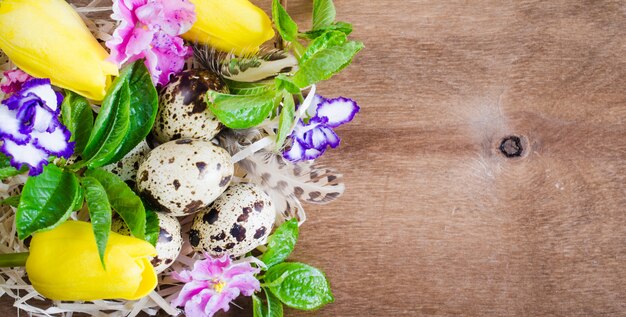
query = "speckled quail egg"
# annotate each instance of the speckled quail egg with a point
(184, 176)
(127, 167)
(168, 245)
(183, 111)
(236, 223)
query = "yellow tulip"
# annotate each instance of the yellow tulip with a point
(64, 265)
(48, 39)
(236, 26)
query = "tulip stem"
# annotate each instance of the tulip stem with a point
(13, 259)
(281, 42)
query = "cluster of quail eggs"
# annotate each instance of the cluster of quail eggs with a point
(187, 174)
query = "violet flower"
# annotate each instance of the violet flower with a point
(13, 80)
(310, 140)
(30, 129)
(213, 284)
(149, 29)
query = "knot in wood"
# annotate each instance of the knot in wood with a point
(511, 146)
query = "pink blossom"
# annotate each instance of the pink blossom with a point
(13, 81)
(149, 29)
(213, 284)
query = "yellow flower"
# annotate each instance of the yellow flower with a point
(48, 39)
(64, 265)
(236, 26)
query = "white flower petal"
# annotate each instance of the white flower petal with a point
(43, 119)
(9, 125)
(54, 142)
(25, 154)
(338, 111)
(45, 92)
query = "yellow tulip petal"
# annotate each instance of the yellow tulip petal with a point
(48, 39)
(64, 265)
(235, 26)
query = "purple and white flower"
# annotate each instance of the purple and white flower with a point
(30, 131)
(149, 29)
(310, 140)
(213, 284)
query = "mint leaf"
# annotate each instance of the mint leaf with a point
(242, 112)
(111, 125)
(327, 40)
(283, 82)
(281, 243)
(153, 229)
(6, 170)
(323, 13)
(343, 27)
(123, 200)
(324, 61)
(77, 116)
(257, 307)
(143, 108)
(12, 201)
(47, 200)
(285, 121)
(245, 88)
(299, 286)
(287, 28)
(274, 306)
(99, 212)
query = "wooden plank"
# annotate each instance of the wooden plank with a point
(436, 220)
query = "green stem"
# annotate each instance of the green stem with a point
(13, 259)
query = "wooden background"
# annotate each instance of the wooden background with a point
(436, 221)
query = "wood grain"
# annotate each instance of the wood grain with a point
(436, 221)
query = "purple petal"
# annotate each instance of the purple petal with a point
(42, 89)
(316, 139)
(332, 138)
(54, 143)
(26, 154)
(295, 152)
(338, 111)
(10, 127)
(311, 154)
(317, 100)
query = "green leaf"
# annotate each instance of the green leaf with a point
(78, 118)
(111, 127)
(299, 286)
(6, 170)
(323, 13)
(281, 243)
(244, 88)
(143, 107)
(284, 82)
(241, 112)
(343, 27)
(12, 201)
(123, 200)
(79, 199)
(99, 212)
(257, 307)
(152, 227)
(285, 122)
(47, 201)
(274, 306)
(285, 25)
(325, 59)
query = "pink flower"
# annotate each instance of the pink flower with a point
(13, 81)
(213, 284)
(149, 29)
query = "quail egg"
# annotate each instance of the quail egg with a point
(236, 223)
(168, 245)
(183, 111)
(127, 167)
(184, 176)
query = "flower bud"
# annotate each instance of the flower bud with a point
(48, 39)
(236, 26)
